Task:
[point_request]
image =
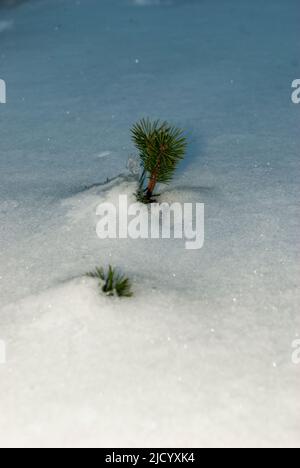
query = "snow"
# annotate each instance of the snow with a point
(202, 354)
(5, 25)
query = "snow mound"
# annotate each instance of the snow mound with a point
(186, 362)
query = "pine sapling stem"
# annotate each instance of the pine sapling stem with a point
(153, 178)
(151, 185)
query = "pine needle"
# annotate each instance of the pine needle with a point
(161, 147)
(111, 282)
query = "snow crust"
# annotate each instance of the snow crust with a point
(201, 356)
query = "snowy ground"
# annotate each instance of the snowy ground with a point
(201, 356)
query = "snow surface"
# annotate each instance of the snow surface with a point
(201, 356)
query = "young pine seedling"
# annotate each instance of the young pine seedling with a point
(161, 147)
(112, 283)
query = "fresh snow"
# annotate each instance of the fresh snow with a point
(201, 355)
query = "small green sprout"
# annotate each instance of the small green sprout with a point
(111, 282)
(161, 147)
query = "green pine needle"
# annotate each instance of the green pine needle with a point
(161, 147)
(111, 282)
